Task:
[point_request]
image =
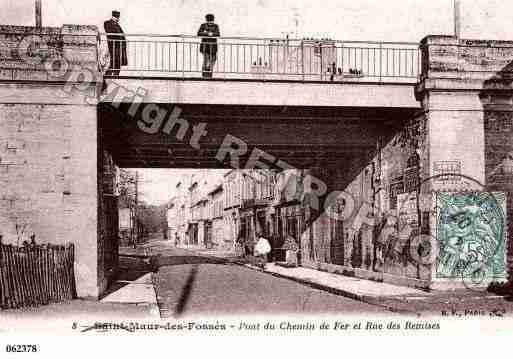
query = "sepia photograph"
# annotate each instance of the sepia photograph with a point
(179, 168)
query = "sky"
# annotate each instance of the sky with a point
(363, 20)
(158, 185)
(392, 20)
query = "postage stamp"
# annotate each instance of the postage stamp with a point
(470, 232)
(458, 236)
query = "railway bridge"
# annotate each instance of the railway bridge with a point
(374, 119)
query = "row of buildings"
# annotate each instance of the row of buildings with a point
(218, 212)
(240, 205)
(236, 207)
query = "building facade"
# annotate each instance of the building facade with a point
(189, 212)
(172, 219)
(218, 233)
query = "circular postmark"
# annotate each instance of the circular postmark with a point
(459, 232)
(448, 227)
(469, 232)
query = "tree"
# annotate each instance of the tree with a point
(153, 218)
(127, 189)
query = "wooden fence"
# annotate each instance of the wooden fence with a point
(33, 275)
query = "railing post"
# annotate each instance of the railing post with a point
(380, 62)
(419, 63)
(342, 60)
(303, 61)
(98, 51)
(320, 57)
(183, 55)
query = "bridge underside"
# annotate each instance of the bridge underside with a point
(301, 136)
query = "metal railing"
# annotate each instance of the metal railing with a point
(152, 55)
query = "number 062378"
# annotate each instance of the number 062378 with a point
(21, 348)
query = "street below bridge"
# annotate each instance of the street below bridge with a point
(189, 283)
(203, 283)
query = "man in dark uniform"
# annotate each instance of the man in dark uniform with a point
(209, 31)
(117, 45)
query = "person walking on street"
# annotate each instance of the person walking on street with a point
(291, 248)
(240, 249)
(262, 250)
(249, 246)
(117, 45)
(208, 31)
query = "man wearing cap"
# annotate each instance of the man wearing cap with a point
(117, 45)
(208, 31)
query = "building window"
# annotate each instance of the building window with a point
(396, 187)
(411, 174)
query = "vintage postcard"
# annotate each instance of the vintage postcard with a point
(179, 169)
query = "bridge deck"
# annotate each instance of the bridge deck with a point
(269, 93)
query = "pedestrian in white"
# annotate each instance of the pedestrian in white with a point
(262, 249)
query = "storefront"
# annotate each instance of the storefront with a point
(289, 222)
(192, 233)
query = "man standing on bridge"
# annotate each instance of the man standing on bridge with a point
(208, 31)
(117, 45)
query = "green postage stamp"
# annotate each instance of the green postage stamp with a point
(471, 235)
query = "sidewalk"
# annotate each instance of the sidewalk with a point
(216, 253)
(393, 297)
(356, 288)
(134, 283)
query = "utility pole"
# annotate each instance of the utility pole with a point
(39, 21)
(136, 212)
(457, 18)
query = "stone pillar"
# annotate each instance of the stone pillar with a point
(461, 82)
(48, 141)
(454, 114)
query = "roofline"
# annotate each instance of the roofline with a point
(199, 201)
(218, 188)
(230, 171)
(195, 183)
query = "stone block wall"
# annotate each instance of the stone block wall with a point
(373, 180)
(498, 126)
(467, 93)
(48, 180)
(48, 148)
(108, 219)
